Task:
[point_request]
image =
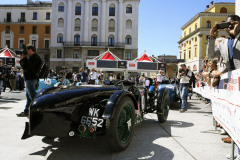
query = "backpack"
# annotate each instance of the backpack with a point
(43, 71)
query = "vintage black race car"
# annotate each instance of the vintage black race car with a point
(92, 110)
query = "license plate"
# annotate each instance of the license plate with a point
(93, 121)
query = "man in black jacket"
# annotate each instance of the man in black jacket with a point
(30, 63)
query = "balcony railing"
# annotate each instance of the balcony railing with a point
(7, 20)
(99, 44)
(21, 20)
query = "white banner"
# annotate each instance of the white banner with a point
(91, 63)
(225, 102)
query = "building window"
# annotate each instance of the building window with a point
(47, 30)
(59, 53)
(189, 54)
(185, 34)
(208, 24)
(21, 42)
(129, 8)
(34, 30)
(128, 40)
(46, 42)
(180, 55)
(223, 10)
(93, 53)
(195, 39)
(190, 30)
(22, 18)
(128, 55)
(184, 56)
(21, 29)
(7, 29)
(95, 10)
(195, 52)
(48, 16)
(77, 40)
(34, 15)
(195, 26)
(111, 25)
(94, 40)
(111, 40)
(94, 25)
(189, 42)
(76, 53)
(9, 17)
(60, 38)
(78, 9)
(34, 42)
(61, 7)
(128, 24)
(60, 23)
(8, 43)
(112, 10)
(77, 24)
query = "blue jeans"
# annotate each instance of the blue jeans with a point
(30, 92)
(1, 84)
(183, 89)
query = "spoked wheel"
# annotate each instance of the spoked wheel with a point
(163, 107)
(121, 125)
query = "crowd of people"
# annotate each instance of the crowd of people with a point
(10, 77)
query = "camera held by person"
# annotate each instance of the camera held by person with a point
(22, 52)
(182, 72)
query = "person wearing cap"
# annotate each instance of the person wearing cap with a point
(1, 75)
(30, 63)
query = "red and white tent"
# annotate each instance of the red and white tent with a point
(145, 58)
(107, 56)
(6, 53)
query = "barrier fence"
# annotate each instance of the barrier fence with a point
(225, 100)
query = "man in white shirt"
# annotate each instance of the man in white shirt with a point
(93, 77)
(160, 77)
(184, 75)
(147, 83)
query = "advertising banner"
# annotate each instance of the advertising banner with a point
(147, 65)
(10, 61)
(225, 102)
(91, 63)
(122, 64)
(131, 65)
(162, 66)
(106, 64)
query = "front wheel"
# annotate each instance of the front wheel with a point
(163, 107)
(122, 124)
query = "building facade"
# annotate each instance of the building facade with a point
(26, 24)
(83, 29)
(194, 38)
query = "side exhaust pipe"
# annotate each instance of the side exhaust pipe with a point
(26, 132)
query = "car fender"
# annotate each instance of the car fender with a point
(161, 92)
(113, 102)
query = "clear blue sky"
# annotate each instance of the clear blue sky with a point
(160, 22)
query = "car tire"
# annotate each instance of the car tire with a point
(120, 131)
(163, 107)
